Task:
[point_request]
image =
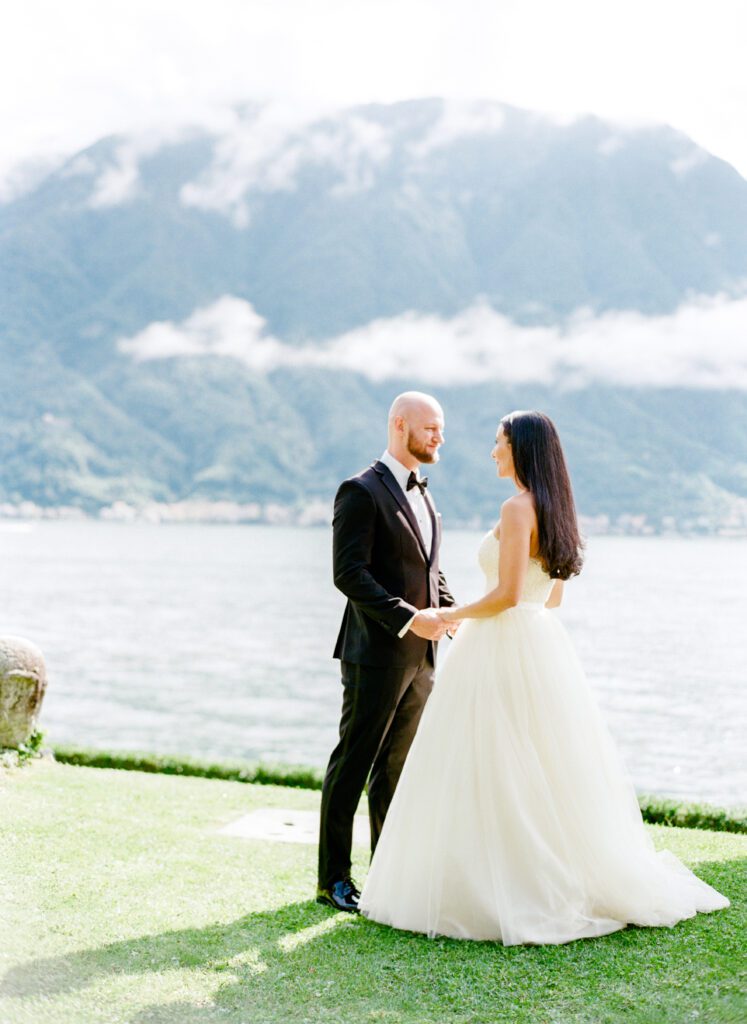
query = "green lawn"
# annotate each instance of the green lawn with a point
(121, 904)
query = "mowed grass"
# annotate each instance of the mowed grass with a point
(120, 903)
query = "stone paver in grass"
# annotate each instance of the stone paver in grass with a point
(279, 825)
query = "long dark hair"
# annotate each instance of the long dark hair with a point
(540, 466)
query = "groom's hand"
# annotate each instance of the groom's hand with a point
(428, 624)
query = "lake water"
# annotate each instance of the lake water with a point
(216, 641)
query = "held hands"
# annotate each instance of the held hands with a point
(449, 616)
(452, 627)
(429, 625)
(433, 623)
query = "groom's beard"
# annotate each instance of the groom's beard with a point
(419, 451)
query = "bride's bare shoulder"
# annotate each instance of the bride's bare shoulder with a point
(519, 507)
(519, 511)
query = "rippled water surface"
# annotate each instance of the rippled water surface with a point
(216, 640)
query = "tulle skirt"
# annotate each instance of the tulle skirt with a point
(513, 819)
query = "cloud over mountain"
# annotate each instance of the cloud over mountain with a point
(703, 344)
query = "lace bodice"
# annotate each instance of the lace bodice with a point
(537, 585)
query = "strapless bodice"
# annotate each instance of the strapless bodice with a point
(537, 585)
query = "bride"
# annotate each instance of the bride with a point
(513, 818)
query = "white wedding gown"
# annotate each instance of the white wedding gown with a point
(513, 819)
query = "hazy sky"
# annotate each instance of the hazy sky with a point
(73, 71)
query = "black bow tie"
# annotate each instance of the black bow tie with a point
(412, 481)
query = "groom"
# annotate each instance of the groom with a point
(386, 536)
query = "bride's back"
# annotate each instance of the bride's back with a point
(537, 585)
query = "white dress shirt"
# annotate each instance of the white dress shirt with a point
(417, 500)
(418, 504)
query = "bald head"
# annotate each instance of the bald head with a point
(416, 424)
(413, 403)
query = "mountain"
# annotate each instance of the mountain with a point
(316, 230)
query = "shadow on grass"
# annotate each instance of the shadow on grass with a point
(305, 962)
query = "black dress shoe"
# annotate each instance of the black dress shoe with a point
(341, 895)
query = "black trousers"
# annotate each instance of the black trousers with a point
(381, 709)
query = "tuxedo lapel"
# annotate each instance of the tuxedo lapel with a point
(435, 527)
(387, 478)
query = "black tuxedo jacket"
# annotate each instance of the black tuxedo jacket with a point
(381, 566)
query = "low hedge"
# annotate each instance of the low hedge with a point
(659, 810)
(656, 810)
(296, 777)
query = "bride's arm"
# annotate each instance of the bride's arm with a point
(517, 519)
(556, 595)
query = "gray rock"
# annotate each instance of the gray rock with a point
(23, 681)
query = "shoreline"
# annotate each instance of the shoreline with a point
(318, 515)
